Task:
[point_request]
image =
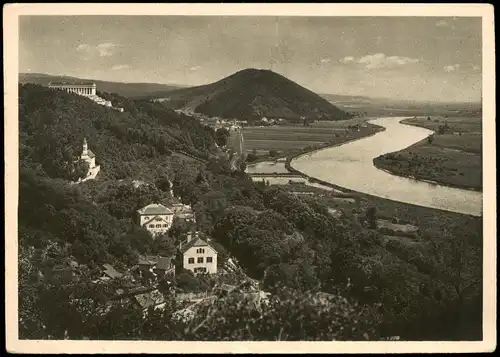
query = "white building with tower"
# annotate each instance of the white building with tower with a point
(89, 157)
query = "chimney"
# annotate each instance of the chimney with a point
(189, 236)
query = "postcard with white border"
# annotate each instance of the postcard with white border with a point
(250, 178)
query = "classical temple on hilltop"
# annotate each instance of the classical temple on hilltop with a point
(77, 88)
(84, 89)
(89, 157)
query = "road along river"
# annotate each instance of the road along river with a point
(351, 166)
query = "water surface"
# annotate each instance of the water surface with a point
(351, 166)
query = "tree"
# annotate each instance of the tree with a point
(164, 246)
(221, 136)
(273, 153)
(288, 315)
(371, 217)
(242, 165)
(79, 170)
(458, 265)
(179, 227)
(251, 157)
(163, 183)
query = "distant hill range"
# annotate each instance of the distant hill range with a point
(130, 90)
(253, 93)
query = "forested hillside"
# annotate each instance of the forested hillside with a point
(52, 125)
(253, 93)
(293, 245)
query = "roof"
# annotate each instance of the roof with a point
(155, 218)
(110, 271)
(90, 153)
(72, 84)
(181, 208)
(152, 298)
(227, 287)
(154, 209)
(149, 259)
(165, 263)
(62, 267)
(195, 242)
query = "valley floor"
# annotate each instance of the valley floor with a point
(266, 143)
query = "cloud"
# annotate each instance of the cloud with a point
(325, 60)
(118, 67)
(347, 59)
(451, 68)
(107, 49)
(195, 68)
(379, 60)
(83, 47)
(101, 50)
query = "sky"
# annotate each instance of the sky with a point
(410, 58)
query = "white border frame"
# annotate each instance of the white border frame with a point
(11, 38)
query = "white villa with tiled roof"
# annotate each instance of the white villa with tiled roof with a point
(198, 256)
(156, 218)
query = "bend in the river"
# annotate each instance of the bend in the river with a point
(351, 166)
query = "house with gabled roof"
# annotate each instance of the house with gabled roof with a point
(197, 255)
(156, 264)
(61, 274)
(154, 299)
(155, 218)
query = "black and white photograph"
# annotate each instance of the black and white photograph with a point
(305, 175)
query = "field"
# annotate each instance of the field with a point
(452, 157)
(288, 139)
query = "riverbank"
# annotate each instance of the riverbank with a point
(270, 143)
(307, 151)
(312, 179)
(381, 164)
(350, 168)
(451, 158)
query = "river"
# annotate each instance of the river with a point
(351, 166)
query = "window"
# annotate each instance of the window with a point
(200, 270)
(209, 259)
(200, 250)
(190, 260)
(146, 218)
(158, 226)
(200, 259)
(165, 226)
(151, 226)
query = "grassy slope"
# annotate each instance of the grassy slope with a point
(451, 159)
